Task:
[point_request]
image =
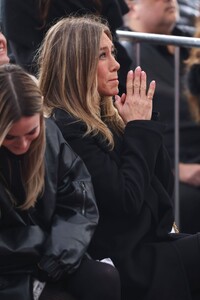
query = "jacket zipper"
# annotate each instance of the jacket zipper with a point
(84, 197)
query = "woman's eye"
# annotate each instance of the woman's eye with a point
(102, 55)
(114, 53)
(32, 132)
(9, 137)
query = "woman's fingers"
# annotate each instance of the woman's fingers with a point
(140, 85)
(151, 90)
(133, 83)
(143, 86)
(136, 104)
(129, 83)
(123, 98)
(137, 81)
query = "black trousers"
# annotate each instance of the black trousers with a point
(92, 281)
(188, 248)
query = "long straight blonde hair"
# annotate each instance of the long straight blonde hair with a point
(68, 60)
(21, 97)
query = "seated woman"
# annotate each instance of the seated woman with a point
(123, 149)
(47, 205)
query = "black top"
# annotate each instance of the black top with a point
(133, 185)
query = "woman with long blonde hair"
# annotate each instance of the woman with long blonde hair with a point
(72, 78)
(48, 212)
(121, 144)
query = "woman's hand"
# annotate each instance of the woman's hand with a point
(136, 104)
(190, 174)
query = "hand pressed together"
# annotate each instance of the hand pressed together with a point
(136, 104)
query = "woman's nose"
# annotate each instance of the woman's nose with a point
(115, 64)
(22, 143)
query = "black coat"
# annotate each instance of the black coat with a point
(57, 231)
(133, 187)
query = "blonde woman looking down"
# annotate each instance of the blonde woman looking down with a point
(48, 212)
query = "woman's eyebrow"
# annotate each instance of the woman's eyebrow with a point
(33, 129)
(106, 47)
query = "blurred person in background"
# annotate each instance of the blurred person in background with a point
(160, 17)
(189, 10)
(26, 22)
(193, 77)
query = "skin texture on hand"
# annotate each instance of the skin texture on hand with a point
(190, 174)
(136, 104)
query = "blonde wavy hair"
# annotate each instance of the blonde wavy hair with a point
(21, 97)
(68, 60)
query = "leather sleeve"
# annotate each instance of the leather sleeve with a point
(75, 215)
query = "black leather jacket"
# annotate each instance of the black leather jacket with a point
(57, 231)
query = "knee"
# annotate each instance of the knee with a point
(111, 273)
(110, 285)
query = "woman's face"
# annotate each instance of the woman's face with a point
(21, 134)
(4, 59)
(107, 68)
